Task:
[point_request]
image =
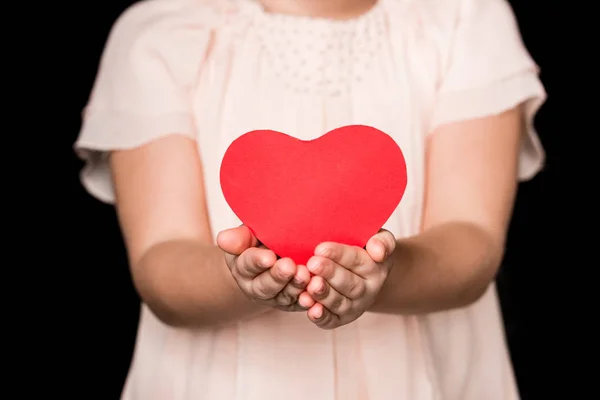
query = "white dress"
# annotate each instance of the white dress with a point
(215, 69)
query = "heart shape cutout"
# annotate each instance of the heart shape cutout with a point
(295, 194)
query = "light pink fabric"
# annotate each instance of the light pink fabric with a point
(213, 70)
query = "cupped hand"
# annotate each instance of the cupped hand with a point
(260, 275)
(347, 280)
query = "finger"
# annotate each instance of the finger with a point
(329, 297)
(341, 279)
(301, 278)
(236, 240)
(380, 246)
(349, 257)
(268, 284)
(305, 300)
(254, 262)
(322, 317)
(291, 291)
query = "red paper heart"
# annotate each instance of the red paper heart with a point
(295, 194)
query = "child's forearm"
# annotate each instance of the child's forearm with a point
(188, 284)
(446, 267)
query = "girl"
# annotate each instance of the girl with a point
(414, 315)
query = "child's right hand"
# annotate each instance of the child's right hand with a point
(258, 272)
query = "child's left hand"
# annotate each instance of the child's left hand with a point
(347, 280)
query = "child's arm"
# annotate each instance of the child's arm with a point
(177, 270)
(471, 185)
(142, 95)
(476, 154)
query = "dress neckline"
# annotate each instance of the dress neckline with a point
(254, 7)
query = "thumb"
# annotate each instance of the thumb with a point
(380, 246)
(236, 240)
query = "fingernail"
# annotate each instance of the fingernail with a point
(314, 265)
(318, 313)
(297, 282)
(321, 251)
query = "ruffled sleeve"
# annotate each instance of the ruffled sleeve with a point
(489, 71)
(143, 86)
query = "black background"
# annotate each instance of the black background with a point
(104, 305)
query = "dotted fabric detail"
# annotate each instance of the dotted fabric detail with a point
(319, 56)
